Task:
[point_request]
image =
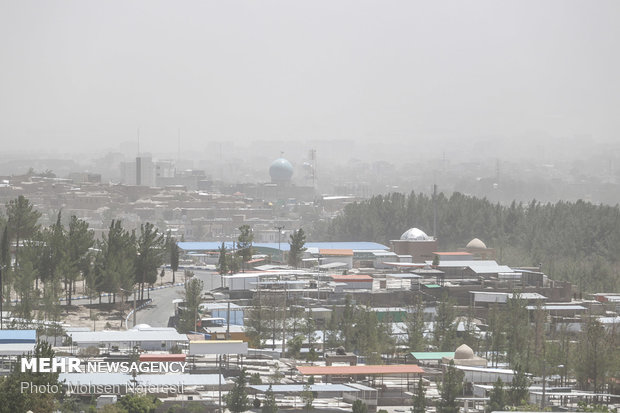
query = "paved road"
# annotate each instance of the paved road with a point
(161, 309)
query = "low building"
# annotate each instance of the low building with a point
(416, 243)
(352, 282)
(464, 356)
(142, 336)
(17, 342)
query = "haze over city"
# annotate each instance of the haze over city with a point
(82, 77)
(295, 206)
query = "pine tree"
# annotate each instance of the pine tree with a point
(451, 388)
(22, 221)
(497, 398)
(173, 249)
(115, 261)
(237, 398)
(359, 407)
(79, 241)
(297, 242)
(307, 396)
(150, 248)
(419, 398)
(222, 262)
(5, 243)
(269, 404)
(518, 391)
(593, 359)
(415, 328)
(444, 334)
(14, 399)
(193, 295)
(244, 244)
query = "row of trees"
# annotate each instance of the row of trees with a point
(355, 328)
(232, 261)
(523, 339)
(578, 242)
(48, 262)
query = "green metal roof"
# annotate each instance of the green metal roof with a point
(432, 285)
(432, 355)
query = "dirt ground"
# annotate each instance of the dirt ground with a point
(107, 315)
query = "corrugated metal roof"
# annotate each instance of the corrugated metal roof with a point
(351, 277)
(298, 388)
(16, 349)
(18, 336)
(432, 355)
(336, 252)
(359, 370)
(165, 357)
(127, 336)
(284, 246)
(558, 307)
(143, 379)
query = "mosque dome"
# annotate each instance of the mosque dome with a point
(464, 352)
(476, 244)
(281, 170)
(415, 234)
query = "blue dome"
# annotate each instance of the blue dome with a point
(281, 170)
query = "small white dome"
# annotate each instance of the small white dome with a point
(415, 234)
(464, 352)
(476, 244)
(141, 327)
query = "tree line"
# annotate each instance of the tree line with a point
(42, 265)
(526, 341)
(574, 241)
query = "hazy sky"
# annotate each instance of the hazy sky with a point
(86, 74)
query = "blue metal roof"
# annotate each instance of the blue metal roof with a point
(284, 246)
(18, 336)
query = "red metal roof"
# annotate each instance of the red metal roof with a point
(336, 252)
(351, 277)
(359, 370)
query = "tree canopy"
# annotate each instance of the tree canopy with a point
(574, 241)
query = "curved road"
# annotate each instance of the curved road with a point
(161, 309)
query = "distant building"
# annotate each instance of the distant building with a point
(281, 171)
(464, 356)
(416, 243)
(479, 250)
(145, 171)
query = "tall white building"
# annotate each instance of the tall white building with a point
(145, 171)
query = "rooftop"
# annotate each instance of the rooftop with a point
(18, 336)
(351, 277)
(336, 252)
(284, 246)
(432, 355)
(360, 370)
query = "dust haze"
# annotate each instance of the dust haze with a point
(509, 100)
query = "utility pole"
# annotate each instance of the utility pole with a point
(1, 298)
(228, 321)
(284, 320)
(219, 388)
(435, 211)
(544, 377)
(134, 308)
(279, 228)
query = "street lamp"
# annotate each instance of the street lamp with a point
(279, 228)
(1, 297)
